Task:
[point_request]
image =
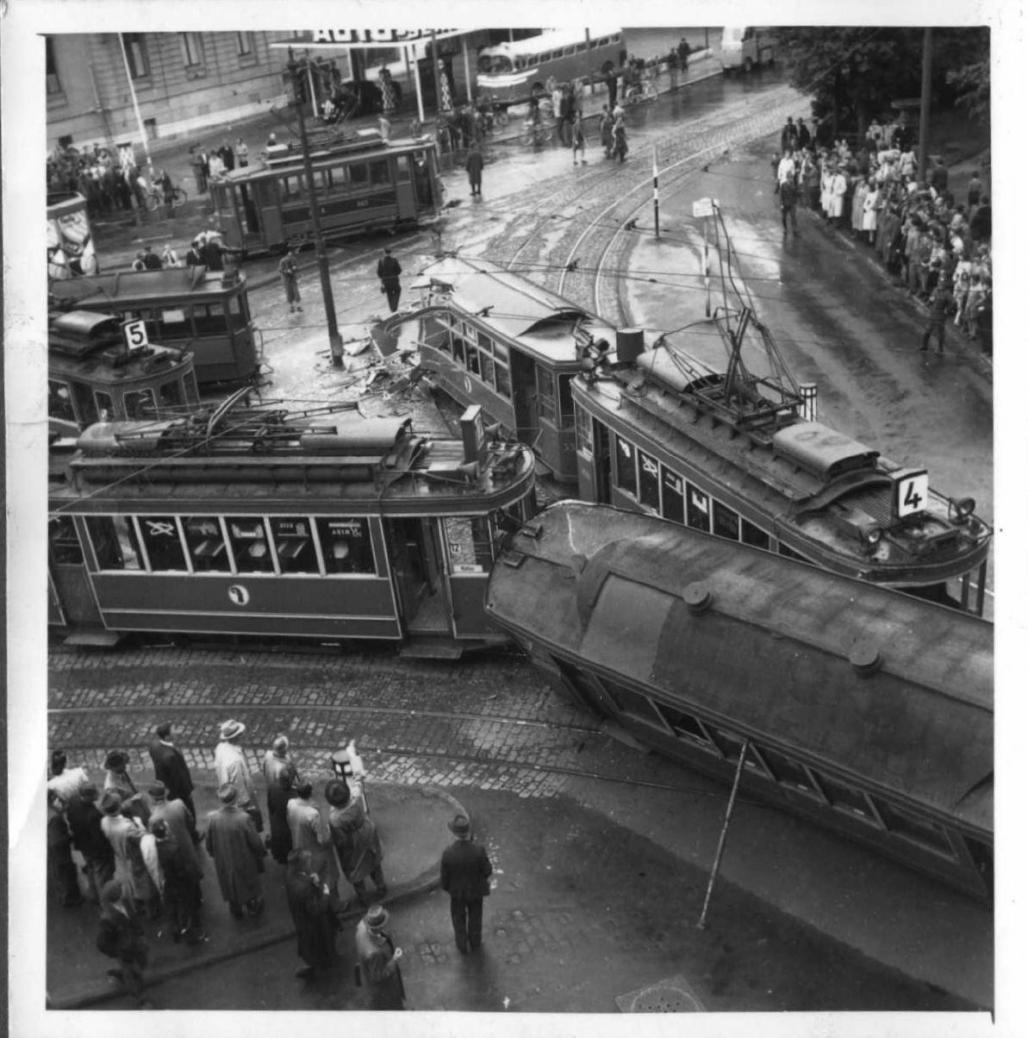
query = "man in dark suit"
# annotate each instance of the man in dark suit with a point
(389, 272)
(169, 767)
(464, 874)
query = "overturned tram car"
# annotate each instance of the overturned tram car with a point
(863, 710)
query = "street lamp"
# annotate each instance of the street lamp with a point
(296, 69)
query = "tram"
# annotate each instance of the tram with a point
(489, 337)
(99, 368)
(363, 183)
(261, 522)
(191, 308)
(865, 711)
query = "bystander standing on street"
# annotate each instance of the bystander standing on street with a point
(389, 271)
(577, 139)
(355, 838)
(314, 909)
(60, 866)
(289, 274)
(179, 819)
(84, 820)
(125, 834)
(121, 937)
(182, 875)
(169, 766)
(280, 842)
(231, 768)
(242, 153)
(133, 801)
(307, 829)
(938, 308)
(787, 196)
(379, 960)
(278, 762)
(464, 874)
(474, 165)
(238, 854)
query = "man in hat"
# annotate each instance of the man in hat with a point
(169, 767)
(133, 802)
(355, 839)
(379, 960)
(277, 761)
(121, 937)
(84, 820)
(464, 875)
(182, 875)
(174, 813)
(389, 272)
(313, 907)
(237, 851)
(290, 279)
(125, 833)
(231, 767)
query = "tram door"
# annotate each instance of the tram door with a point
(601, 464)
(414, 557)
(526, 398)
(70, 593)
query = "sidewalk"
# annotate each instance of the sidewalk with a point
(411, 821)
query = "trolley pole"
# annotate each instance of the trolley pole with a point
(702, 924)
(334, 339)
(656, 195)
(926, 104)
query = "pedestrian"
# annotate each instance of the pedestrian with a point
(789, 136)
(62, 872)
(194, 257)
(213, 251)
(577, 139)
(125, 834)
(64, 781)
(121, 937)
(379, 960)
(182, 875)
(242, 153)
(84, 820)
(611, 79)
(314, 909)
(139, 264)
(289, 274)
(278, 762)
(802, 134)
(787, 198)
(169, 767)
(474, 166)
(620, 148)
(606, 131)
(238, 854)
(565, 115)
(389, 272)
(356, 840)
(974, 190)
(280, 841)
(133, 801)
(177, 816)
(169, 257)
(938, 309)
(684, 50)
(464, 874)
(231, 768)
(307, 829)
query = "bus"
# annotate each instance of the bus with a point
(512, 73)
(363, 183)
(746, 47)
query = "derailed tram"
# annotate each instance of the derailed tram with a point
(868, 712)
(262, 522)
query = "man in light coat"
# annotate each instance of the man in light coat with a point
(231, 767)
(237, 850)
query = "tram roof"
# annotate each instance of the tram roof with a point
(127, 287)
(514, 307)
(782, 651)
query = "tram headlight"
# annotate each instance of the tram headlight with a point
(872, 537)
(963, 509)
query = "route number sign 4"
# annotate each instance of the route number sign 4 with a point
(910, 493)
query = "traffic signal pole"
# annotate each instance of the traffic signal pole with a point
(335, 340)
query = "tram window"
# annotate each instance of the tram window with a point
(468, 544)
(754, 535)
(922, 831)
(567, 404)
(114, 541)
(209, 319)
(163, 547)
(340, 177)
(192, 392)
(584, 430)
(649, 482)
(140, 404)
(290, 187)
(503, 380)
(788, 553)
(322, 179)
(726, 522)
(380, 172)
(206, 544)
(359, 173)
(64, 542)
(624, 467)
(685, 726)
(59, 403)
(173, 323)
(402, 169)
(844, 797)
(484, 342)
(250, 544)
(437, 334)
(458, 348)
(547, 401)
(697, 508)
(104, 406)
(171, 393)
(346, 546)
(630, 702)
(501, 352)
(487, 368)
(86, 405)
(730, 746)
(790, 773)
(294, 545)
(471, 360)
(671, 493)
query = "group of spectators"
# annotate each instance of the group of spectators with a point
(937, 245)
(110, 181)
(211, 163)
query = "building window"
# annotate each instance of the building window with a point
(135, 53)
(245, 45)
(53, 82)
(192, 49)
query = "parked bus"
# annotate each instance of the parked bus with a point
(746, 47)
(512, 73)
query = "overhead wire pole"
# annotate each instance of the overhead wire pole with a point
(656, 195)
(926, 104)
(334, 339)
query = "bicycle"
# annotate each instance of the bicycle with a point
(536, 134)
(155, 197)
(644, 90)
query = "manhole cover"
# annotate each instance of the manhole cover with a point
(666, 996)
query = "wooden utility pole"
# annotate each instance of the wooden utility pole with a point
(926, 104)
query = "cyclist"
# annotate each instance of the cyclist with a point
(163, 182)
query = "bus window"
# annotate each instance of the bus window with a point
(162, 543)
(59, 403)
(114, 542)
(174, 324)
(380, 172)
(567, 405)
(649, 482)
(697, 509)
(250, 544)
(140, 404)
(672, 487)
(624, 466)
(294, 545)
(726, 522)
(64, 542)
(209, 319)
(346, 546)
(206, 544)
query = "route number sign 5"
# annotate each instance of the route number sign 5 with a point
(911, 493)
(135, 334)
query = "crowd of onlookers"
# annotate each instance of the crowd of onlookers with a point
(937, 245)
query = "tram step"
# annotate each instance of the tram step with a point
(431, 649)
(98, 639)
